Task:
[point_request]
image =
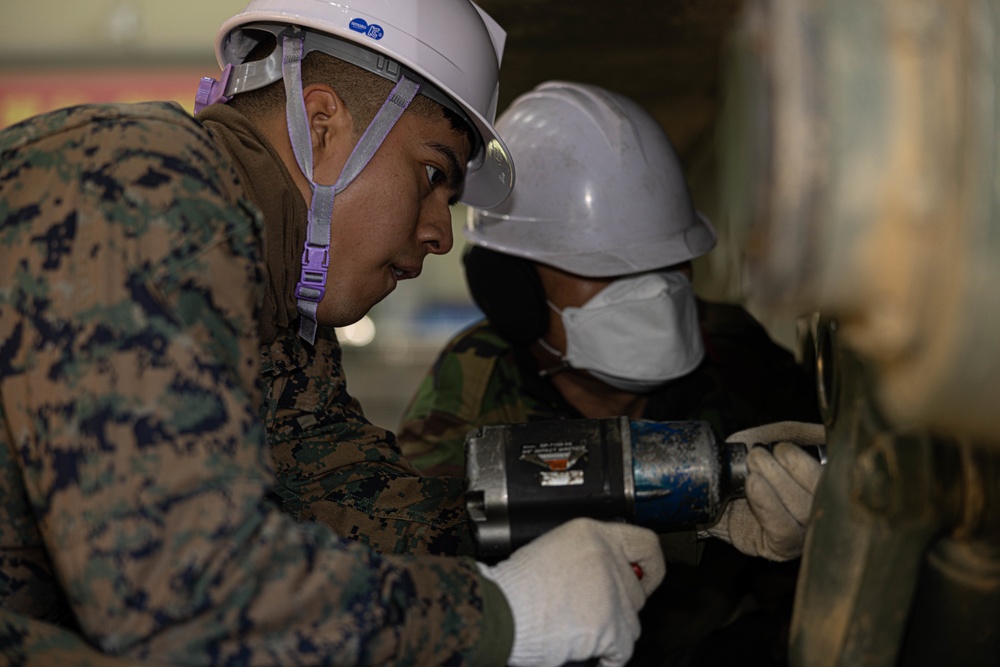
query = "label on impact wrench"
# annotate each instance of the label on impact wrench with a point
(558, 459)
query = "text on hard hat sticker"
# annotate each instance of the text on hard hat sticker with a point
(373, 30)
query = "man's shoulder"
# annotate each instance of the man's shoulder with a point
(474, 377)
(470, 360)
(144, 174)
(150, 151)
(152, 118)
(154, 145)
(479, 341)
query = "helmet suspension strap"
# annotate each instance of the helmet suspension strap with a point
(316, 254)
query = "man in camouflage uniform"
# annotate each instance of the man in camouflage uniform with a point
(150, 353)
(599, 234)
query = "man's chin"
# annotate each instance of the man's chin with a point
(347, 314)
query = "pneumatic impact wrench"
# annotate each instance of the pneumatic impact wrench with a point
(525, 479)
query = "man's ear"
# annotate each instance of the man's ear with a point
(331, 127)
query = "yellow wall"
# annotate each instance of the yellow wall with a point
(120, 30)
(57, 53)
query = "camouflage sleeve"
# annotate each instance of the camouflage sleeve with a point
(129, 392)
(335, 467)
(28, 642)
(470, 385)
(433, 440)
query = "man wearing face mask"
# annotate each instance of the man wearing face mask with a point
(590, 313)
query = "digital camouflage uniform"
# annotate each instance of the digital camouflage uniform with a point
(745, 380)
(335, 467)
(135, 477)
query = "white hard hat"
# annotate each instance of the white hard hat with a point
(600, 189)
(453, 45)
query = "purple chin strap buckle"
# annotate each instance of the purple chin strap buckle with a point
(211, 91)
(312, 279)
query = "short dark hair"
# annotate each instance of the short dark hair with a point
(362, 92)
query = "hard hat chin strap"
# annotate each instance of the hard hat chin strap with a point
(316, 254)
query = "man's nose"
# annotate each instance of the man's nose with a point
(435, 232)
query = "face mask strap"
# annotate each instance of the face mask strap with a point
(563, 365)
(316, 255)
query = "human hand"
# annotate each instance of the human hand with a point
(575, 594)
(771, 522)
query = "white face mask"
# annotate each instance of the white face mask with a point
(636, 333)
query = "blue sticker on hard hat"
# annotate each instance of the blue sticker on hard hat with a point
(371, 30)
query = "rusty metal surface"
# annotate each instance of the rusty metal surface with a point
(863, 157)
(902, 560)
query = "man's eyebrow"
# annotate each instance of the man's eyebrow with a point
(454, 174)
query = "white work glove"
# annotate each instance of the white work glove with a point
(574, 593)
(771, 522)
